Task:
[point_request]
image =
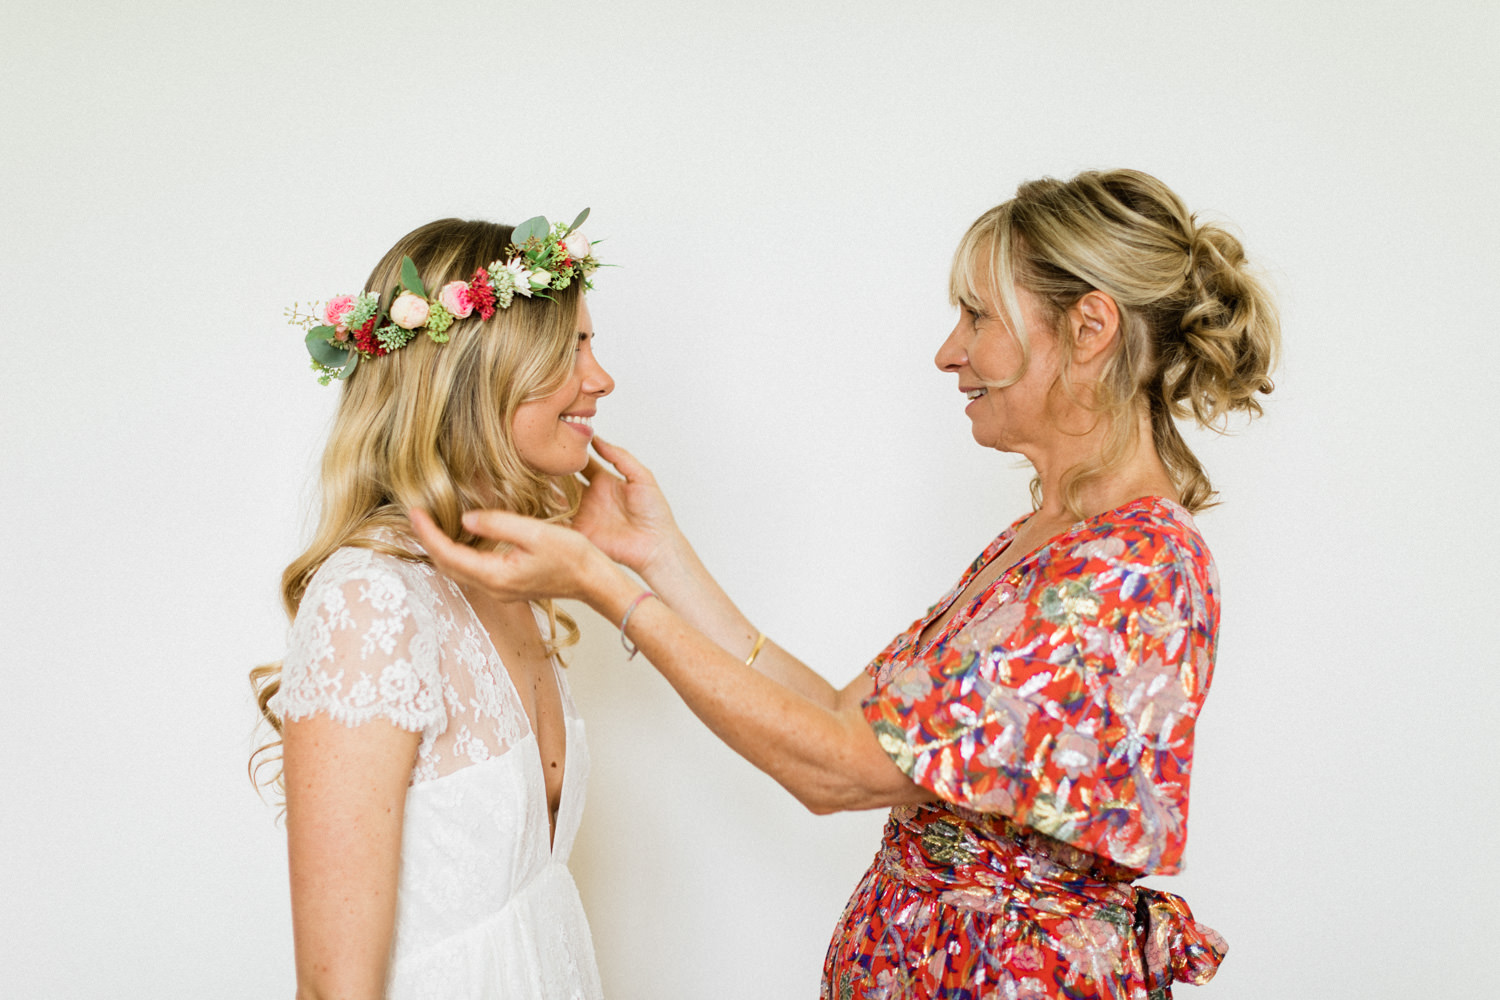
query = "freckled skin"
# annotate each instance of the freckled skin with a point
(543, 439)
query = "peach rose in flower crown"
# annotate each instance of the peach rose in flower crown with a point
(577, 245)
(409, 311)
(456, 299)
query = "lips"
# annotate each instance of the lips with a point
(584, 423)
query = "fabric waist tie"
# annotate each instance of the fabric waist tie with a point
(987, 862)
(1176, 948)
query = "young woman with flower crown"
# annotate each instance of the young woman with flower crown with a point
(431, 757)
(1033, 731)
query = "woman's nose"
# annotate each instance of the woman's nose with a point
(597, 381)
(950, 356)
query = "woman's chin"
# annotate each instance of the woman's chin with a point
(562, 466)
(994, 442)
(986, 438)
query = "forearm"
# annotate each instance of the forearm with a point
(824, 754)
(819, 749)
(681, 580)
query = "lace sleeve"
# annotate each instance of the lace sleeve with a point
(362, 648)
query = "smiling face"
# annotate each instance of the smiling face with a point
(552, 433)
(1010, 397)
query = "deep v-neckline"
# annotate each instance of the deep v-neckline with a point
(963, 615)
(520, 705)
(1004, 541)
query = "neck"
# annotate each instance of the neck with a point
(1140, 473)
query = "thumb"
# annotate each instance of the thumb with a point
(627, 464)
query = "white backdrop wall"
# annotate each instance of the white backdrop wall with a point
(781, 184)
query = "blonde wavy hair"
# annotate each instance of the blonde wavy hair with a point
(1199, 335)
(429, 425)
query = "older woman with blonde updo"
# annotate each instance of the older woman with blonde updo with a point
(1033, 730)
(432, 760)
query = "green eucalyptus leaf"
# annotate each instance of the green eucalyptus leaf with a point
(349, 365)
(579, 221)
(322, 351)
(410, 279)
(531, 227)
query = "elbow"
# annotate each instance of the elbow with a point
(326, 992)
(819, 805)
(316, 991)
(821, 795)
(321, 988)
(829, 794)
(850, 787)
(850, 773)
(845, 800)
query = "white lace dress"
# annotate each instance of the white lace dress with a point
(486, 909)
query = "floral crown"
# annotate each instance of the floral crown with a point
(541, 257)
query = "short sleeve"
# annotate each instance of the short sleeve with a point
(895, 648)
(1068, 703)
(361, 649)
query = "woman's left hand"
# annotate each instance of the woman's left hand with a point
(543, 560)
(626, 515)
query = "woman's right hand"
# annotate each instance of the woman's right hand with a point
(626, 516)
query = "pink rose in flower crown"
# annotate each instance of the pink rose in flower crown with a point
(338, 307)
(457, 299)
(577, 245)
(409, 311)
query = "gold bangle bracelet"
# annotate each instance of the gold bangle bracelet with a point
(760, 640)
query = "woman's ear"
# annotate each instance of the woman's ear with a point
(1095, 320)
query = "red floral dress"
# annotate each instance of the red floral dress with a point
(1053, 717)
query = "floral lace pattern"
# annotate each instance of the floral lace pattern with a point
(1053, 717)
(486, 905)
(382, 637)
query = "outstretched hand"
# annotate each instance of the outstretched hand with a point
(541, 561)
(626, 516)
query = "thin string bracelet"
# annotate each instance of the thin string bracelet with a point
(760, 640)
(631, 648)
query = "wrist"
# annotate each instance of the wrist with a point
(670, 560)
(607, 588)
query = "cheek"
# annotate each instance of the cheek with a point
(995, 357)
(531, 423)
